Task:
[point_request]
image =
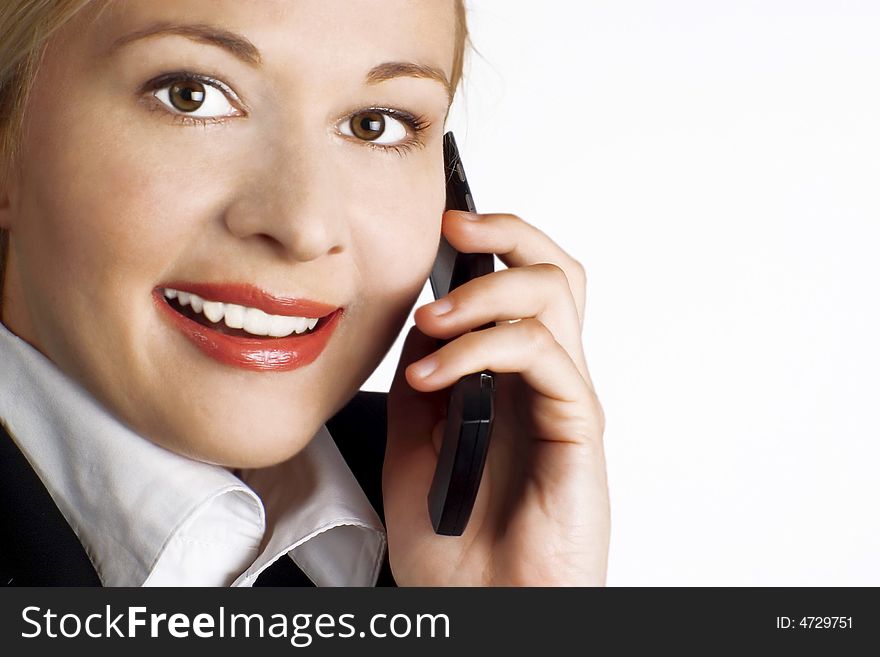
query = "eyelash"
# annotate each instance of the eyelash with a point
(416, 123)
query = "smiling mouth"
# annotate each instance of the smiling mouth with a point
(252, 329)
(222, 327)
(239, 320)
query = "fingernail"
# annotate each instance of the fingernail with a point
(425, 367)
(440, 307)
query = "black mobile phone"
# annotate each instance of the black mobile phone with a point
(471, 406)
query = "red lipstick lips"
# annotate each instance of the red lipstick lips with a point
(256, 353)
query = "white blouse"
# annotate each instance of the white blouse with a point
(147, 516)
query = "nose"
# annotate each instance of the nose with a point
(287, 202)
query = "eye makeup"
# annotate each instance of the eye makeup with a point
(184, 77)
(415, 124)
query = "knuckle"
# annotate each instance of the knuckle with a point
(552, 270)
(536, 332)
(571, 272)
(508, 216)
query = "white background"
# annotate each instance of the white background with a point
(715, 166)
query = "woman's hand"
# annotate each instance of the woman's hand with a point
(541, 517)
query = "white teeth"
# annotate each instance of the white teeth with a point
(234, 315)
(213, 310)
(281, 327)
(301, 323)
(252, 320)
(256, 321)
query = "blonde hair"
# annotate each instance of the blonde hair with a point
(25, 28)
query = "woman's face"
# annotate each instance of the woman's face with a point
(228, 148)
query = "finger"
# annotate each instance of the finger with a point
(536, 291)
(517, 243)
(528, 348)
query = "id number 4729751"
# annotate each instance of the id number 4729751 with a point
(814, 623)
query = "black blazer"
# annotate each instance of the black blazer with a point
(39, 548)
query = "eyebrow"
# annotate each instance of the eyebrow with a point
(391, 70)
(247, 52)
(234, 43)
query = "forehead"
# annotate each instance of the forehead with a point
(304, 33)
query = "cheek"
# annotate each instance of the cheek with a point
(108, 216)
(102, 222)
(394, 242)
(397, 242)
(395, 262)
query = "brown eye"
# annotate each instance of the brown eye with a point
(197, 99)
(187, 95)
(375, 126)
(368, 125)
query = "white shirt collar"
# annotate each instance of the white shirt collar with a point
(148, 516)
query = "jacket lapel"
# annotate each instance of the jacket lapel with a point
(39, 548)
(360, 431)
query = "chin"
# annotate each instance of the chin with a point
(255, 445)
